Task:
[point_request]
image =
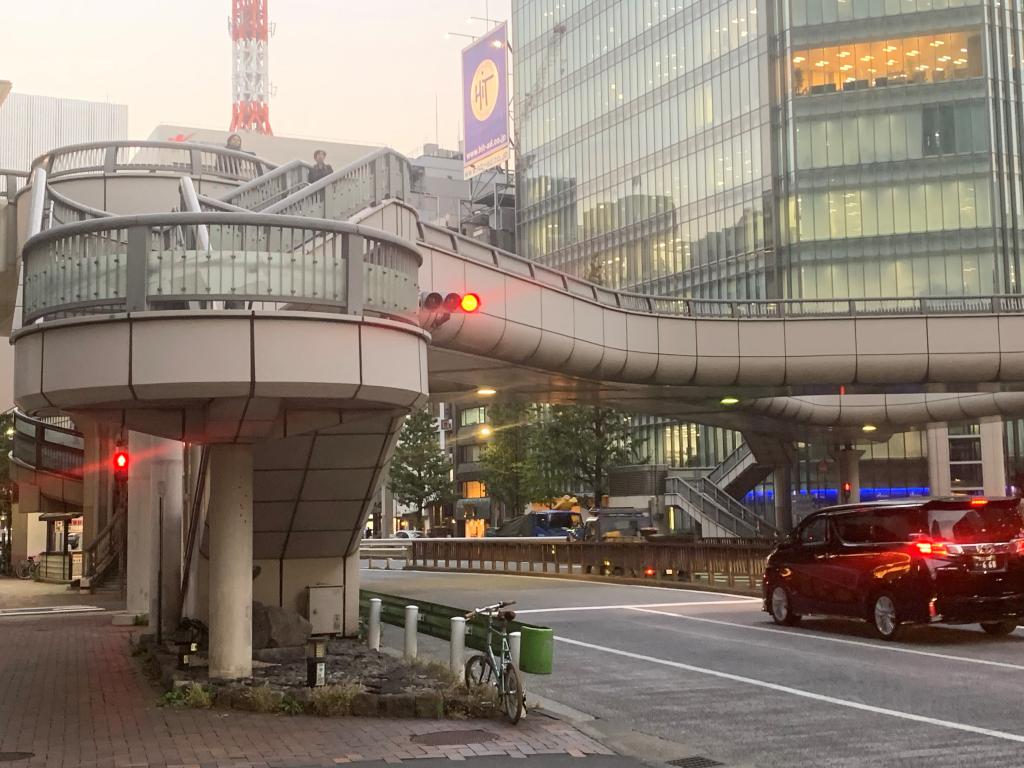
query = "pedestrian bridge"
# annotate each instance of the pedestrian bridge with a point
(197, 294)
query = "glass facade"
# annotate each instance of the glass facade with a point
(771, 149)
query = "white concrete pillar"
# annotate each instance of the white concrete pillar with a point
(938, 460)
(97, 484)
(141, 524)
(783, 483)
(849, 472)
(197, 599)
(993, 456)
(166, 458)
(230, 518)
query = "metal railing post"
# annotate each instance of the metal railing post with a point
(135, 292)
(373, 627)
(110, 160)
(411, 619)
(354, 288)
(457, 650)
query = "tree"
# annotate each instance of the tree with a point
(420, 471)
(578, 444)
(508, 463)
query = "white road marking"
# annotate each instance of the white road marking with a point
(48, 610)
(842, 641)
(1004, 735)
(737, 601)
(561, 580)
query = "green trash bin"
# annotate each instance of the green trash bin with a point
(537, 650)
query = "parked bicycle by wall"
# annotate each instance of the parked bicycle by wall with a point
(28, 568)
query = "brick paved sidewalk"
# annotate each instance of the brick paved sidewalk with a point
(71, 694)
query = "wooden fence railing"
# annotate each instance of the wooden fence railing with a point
(729, 563)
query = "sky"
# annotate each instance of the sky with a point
(365, 71)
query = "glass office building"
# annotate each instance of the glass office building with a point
(771, 149)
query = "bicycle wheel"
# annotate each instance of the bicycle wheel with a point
(510, 694)
(480, 671)
(24, 570)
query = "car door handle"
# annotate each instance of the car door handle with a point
(825, 556)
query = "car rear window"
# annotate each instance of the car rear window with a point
(974, 525)
(877, 526)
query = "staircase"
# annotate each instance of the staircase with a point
(106, 558)
(739, 472)
(717, 513)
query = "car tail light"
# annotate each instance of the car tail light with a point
(938, 548)
(1017, 546)
(978, 502)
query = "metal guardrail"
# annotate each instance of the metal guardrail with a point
(760, 309)
(113, 157)
(736, 507)
(379, 176)
(729, 563)
(136, 263)
(384, 549)
(723, 472)
(60, 210)
(11, 182)
(434, 619)
(271, 187)
(48, 447)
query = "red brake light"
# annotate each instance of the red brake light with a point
(924, 547)
(470, 303)
(978, 502)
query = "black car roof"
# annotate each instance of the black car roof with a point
(907, 503)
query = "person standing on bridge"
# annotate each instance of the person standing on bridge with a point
(320, 167)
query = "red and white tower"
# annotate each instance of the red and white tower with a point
(250, 34)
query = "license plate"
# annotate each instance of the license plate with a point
(985, 563)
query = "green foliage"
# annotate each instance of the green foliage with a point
(420, 470)
(191, 696)
(473, 702)
(290, 705)
(508, 466)
(259, 698)
(334, 700)
(576, 445)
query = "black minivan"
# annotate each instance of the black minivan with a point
(892, 563)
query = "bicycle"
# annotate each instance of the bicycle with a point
(28, 569)
(482, 668)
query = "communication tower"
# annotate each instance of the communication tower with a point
(250, 83)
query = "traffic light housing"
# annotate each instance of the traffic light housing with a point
(847, 488)
(436, 309)
(120, 461)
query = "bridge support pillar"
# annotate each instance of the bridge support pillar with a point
(230, 581)
(166, 509)
(97, 483)
(783, 480)
(142, 527)
(849, 473)
(993, 456)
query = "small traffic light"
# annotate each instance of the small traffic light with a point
(846, 491)
(470, 303)
(451, 302)
(121, 463)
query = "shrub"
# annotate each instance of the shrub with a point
(334, 700)
(290, 705)
(259, 698)
(191, 696)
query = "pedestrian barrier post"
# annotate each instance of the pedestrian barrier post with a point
(458, 646)
(373, 630)
(411, 619)
(515, 645)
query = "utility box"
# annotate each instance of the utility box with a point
(327, 609)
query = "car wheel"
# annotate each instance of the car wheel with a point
(884, 617)
(999, 628)
(781, 607)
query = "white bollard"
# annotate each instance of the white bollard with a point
(411, 618)
(373, 630)
(515, 644)
(458, 647)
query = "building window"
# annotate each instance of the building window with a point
(470, 416)
(469, 454)
(473, 489)
(930, 58)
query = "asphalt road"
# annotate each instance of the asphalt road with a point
(713, 674)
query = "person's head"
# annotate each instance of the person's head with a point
(234, 141)
(319, 157)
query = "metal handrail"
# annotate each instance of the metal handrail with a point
(745, 309)
(11, 182)
(721, 514)
(270, 187)
(112, 157)
(130, 263)
(730, 462)
(48, 447)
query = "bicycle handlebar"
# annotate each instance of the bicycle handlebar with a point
(490, 608)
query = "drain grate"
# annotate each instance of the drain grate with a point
(453, 738)
(13, 757)
(695, 762)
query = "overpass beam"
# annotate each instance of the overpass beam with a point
(230, 585)
(849, 472)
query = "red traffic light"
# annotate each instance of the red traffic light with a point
(121, 460)
(847, 487)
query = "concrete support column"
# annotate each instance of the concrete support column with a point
(783, 480)
(197, 599)
(166, 474)
(141, 524)
(993, 456)
(938, 460)
(849, 472)
(97, 484)
(231, 531)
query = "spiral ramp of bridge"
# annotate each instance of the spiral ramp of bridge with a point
(196, 294)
